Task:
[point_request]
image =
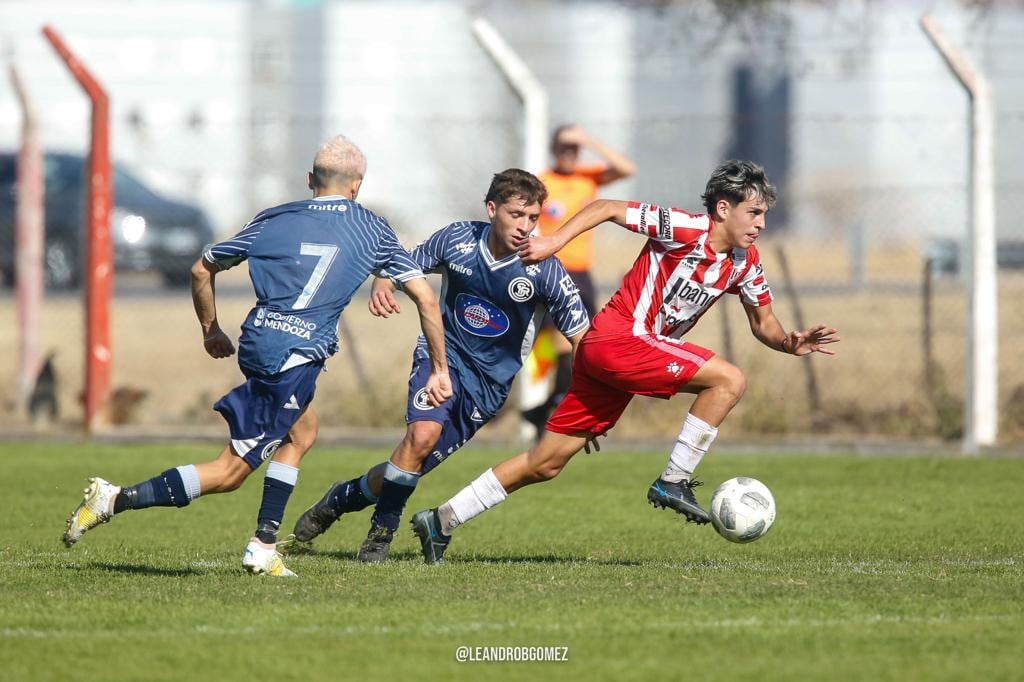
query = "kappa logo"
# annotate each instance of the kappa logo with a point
(520, 289)
(420, 401)
(569, 287)
(465, 247)
(292, 404)
(270, 449)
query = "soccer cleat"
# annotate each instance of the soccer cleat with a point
(317, 519)
(97, 507)
(678, 496)
(263, 559)
(432, 541)
(376, 546)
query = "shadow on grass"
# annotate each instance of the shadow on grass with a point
(411, 555)
(142, 569)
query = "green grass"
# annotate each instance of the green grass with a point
(876, 569)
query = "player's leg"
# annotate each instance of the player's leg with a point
(175, 487)
(589, 409)
(401, 474)
(341, 498)
(541, 463)
(261, 553)
(719, 385)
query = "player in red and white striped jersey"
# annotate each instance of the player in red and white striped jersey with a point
(634, 345)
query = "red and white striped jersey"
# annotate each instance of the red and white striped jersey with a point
(677, 277)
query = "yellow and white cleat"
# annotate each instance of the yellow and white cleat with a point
(263, 559)
(97, 507)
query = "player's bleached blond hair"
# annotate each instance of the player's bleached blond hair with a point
(737, 181)
(338, 161)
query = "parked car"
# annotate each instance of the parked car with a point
(148, 231)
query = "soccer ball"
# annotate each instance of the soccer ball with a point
(742, 509)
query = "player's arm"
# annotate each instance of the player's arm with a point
(769, 331)
(619, 165)
(428, 255)
(439, 386)
(536, 248)
(215, 341)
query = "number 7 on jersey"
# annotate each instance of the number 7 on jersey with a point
(327, 253)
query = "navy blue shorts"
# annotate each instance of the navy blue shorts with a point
(261, 411)
(458, 416)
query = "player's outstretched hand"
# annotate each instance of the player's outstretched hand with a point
(218, 345)
(592, 442)
(382, 298)
(439, 388)
(811, 340)
(537, 248)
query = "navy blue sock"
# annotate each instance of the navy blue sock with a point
(173, 488)
(350, 496)
(277, 488)
(398, 486)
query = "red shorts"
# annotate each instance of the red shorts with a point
(610, 370)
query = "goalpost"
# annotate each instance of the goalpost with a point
(981, 403)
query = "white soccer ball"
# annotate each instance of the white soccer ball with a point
(742, 509)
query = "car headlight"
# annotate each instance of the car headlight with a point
(127, 227)
(133, 227)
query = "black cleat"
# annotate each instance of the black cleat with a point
(317, 519)
(432, 541)
(376, 546)
(678, 496)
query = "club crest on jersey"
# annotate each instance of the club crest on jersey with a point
(520, 289)
(480, 317)
(420, 401)
(270, 449)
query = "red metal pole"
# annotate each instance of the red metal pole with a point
(29, 221)
(99, 268)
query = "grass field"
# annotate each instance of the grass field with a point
(877, 569)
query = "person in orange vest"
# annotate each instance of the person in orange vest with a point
(571, 186)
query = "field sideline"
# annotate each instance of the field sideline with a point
(904, 568)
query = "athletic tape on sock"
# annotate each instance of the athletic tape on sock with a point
(190, 478)
(400, 476)
(283, 472)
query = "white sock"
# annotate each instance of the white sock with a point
(691, 446)
(473, 500)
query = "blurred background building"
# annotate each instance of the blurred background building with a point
(852, 111)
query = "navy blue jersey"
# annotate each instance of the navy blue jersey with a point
(492, 308)
(306, 260)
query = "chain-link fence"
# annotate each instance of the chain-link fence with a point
(851, 110)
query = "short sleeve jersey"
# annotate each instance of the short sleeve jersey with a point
(567, 195)
(306, 260)
(678, 276)
(492, 308)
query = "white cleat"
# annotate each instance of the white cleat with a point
(263, 559)
(97, 507)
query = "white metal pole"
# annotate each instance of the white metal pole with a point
(527, 87)
(981, 408)
(29, 222)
